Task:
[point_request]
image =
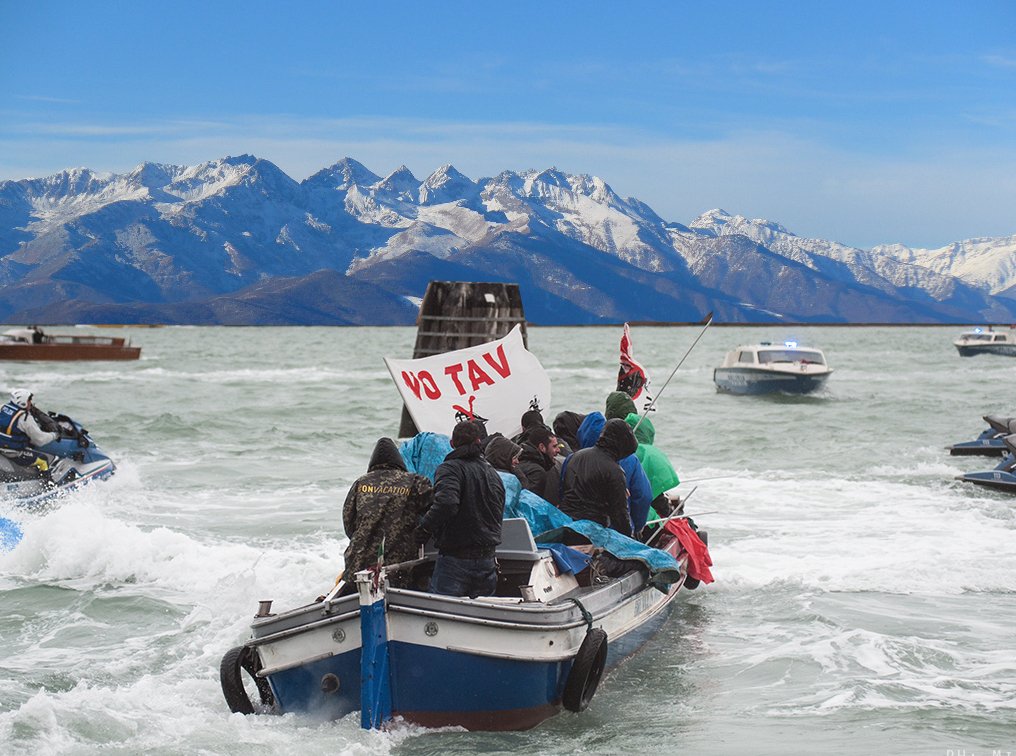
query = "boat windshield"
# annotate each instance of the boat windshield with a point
(791, 355)
(979, 337)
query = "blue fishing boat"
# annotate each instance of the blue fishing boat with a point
(502, 662)
(766, 368)
(569, 604)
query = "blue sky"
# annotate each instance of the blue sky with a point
(863, 122)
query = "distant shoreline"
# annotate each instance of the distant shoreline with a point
(529, 324)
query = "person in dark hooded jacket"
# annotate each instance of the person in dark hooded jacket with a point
(503, 454)
(466, 518)
(594, 483)
(640, 493)
(566, 428)
(386, 503)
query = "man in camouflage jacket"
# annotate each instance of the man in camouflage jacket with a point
(385, 503)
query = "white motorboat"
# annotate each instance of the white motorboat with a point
(768, 368)
(981, 341)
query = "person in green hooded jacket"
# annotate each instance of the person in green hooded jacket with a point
(619, 404)
(659, 470)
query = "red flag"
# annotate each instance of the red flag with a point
(632, 378)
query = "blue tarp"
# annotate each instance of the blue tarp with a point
(549, 525)
(424, 452)
(567, 559)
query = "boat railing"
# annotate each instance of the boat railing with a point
(85, 340)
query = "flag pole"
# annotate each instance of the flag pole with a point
(709, 322)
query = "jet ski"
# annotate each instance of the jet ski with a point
(32, 476)
(1003, 477)
(989, 443)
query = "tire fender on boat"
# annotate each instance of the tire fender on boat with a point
(586, 670)
(234, 663)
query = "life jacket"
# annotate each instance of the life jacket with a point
(11, 434)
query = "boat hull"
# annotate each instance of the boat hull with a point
(973, 350)
(758, 381)
(987, 447)
(480, 664)
(998, 480)
(66, 352)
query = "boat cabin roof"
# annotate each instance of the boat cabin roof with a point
(986, 336)
(767, 352)
(23, 335)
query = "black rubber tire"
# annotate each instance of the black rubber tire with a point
(586, 671)
(234, 663)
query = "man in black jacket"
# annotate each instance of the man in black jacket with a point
(539, 451)
(465, 518)
(594, 483)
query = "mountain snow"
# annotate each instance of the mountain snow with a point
(175, 234)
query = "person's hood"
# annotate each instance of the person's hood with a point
(386, 454)
(590, 429)
(617, 439)
(619, 404)
(500, 451)
(566, 428)
(645, 433)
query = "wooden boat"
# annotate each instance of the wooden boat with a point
(33, 344)
(503, 662)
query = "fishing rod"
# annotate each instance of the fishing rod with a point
(697, 514)
(674, 515)
(708, 477)
(649, 408)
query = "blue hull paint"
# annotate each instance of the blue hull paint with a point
(747, 381)
(481, 683)
(508, 694)
(299, 689)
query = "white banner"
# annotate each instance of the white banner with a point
(495, 382)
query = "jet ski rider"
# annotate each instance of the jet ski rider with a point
(20, 429)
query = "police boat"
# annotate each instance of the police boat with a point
(1003, 477)
(980, 341)
(767, 368)
(32, 476)
(989, 443)
(502, 662)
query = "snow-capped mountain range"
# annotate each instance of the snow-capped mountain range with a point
(236, 240)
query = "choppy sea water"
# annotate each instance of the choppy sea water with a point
(865, 602)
